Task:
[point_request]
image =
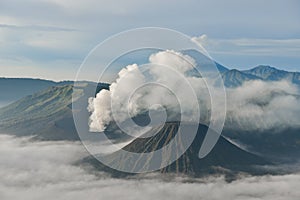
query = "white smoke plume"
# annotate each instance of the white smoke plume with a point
(132, 76)
(254, 105)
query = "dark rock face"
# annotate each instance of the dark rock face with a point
(224, 154)
(224, 157)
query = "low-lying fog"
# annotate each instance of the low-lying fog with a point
(45, 170)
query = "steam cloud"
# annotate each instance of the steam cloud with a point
(254, 105)
(133, 76)
(263, 105)
(45, 170)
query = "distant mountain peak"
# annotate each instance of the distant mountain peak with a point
(233, 71)
(264, 68)
(234, 78)
(268, 73)
(203, 60)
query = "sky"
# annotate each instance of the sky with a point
(50, 38)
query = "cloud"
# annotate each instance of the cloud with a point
(25, 163)
(259, 105)
(40, 53)
(139, 88)
(243, 52)
(45, 170)
(36, 28)
(202, 39)
(97, 20)
(250, 46)
(178, 61)
(256, 105)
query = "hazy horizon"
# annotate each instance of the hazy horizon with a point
(72, 79)
(50, 39)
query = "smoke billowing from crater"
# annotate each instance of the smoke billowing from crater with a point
(252, 106)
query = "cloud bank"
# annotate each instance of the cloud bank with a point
(256, 105)
(45, 170)
(259, 105)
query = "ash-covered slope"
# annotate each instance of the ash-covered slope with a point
(225, 156)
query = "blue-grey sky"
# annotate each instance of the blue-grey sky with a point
(50, 38)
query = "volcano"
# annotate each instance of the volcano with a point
(225, 156)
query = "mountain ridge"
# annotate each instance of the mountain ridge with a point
(12, 89)
(269, 73)
(47, 115)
